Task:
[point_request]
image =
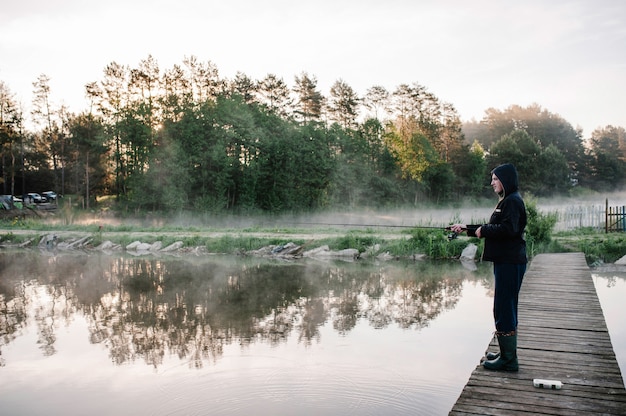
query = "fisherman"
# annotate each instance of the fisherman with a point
(506, 248)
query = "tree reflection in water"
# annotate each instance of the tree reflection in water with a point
(145, 308)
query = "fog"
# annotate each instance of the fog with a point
(588, 199)
(426, 215)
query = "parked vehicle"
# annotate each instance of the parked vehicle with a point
(50, 196)
(35, 197)
(5, 202)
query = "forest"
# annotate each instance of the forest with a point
(186, 139)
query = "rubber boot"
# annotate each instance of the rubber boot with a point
(507, 361)
(490, 355)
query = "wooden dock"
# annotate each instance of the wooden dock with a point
(562, 336)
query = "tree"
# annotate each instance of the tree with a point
(405, 123)
(274, 94)
(377, 99)
(610, 140)
(425, 133)
(310, 100)
(438, 181)
(176, 94)
(198, 143)
(519, 149)
(44, 114)
(136, 144)
(449, 136)
(372, 133)
(111, 98)
(165, 184)
(144, 90)
(10, 125)
(61, 143)
(244, 86)
(470, 170)
(543, 126)
(90, 154)
(205, 81)
(419, 111)
(222, 145)
(343, 104)
(554, 172)
(542, 171)
(608, 158)
(414, 156)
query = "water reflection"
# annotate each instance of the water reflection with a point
(610, 284)
(144, 309)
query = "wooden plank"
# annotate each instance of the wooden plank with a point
(562, 336)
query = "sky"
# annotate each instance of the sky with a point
(567, 56)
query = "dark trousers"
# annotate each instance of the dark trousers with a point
(508, 284)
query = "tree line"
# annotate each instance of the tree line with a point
(187, 139)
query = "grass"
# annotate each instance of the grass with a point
(597, 246)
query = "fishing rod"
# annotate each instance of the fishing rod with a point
(369, 225)
(451, 236)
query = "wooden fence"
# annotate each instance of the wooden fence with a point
(615, 218)
(598, 217)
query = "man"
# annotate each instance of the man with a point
(506, 248)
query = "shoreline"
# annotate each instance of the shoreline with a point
(291, 244)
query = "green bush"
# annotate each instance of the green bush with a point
(540, 226)
(603, 248)
(352, 240)
(436, 244)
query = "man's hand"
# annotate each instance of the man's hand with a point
(458, 228)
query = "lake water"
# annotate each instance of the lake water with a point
(109, 335)
(611, 289)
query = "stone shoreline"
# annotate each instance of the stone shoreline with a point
(51, 242)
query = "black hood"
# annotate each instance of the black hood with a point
(508, 176)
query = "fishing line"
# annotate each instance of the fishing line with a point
(451, 236)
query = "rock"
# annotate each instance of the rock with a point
(73, 244)
(172, 247)
(48, 241)
(263, 251)
(469, 252)
(133, 245)
(156, 246)
(325, 252)
(107, 245)
(290, 249)
(143, 247)
(370, 251)
(469, 264)
(25, 243)
(621, 261)
(385, 256)
(283, 247)
(316, 251)
(138, 246)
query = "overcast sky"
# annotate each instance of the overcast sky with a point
(567, 56)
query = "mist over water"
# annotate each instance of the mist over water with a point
(420, 215)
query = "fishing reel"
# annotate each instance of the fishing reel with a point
(453, 234)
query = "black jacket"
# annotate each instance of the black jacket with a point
(504, 234)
